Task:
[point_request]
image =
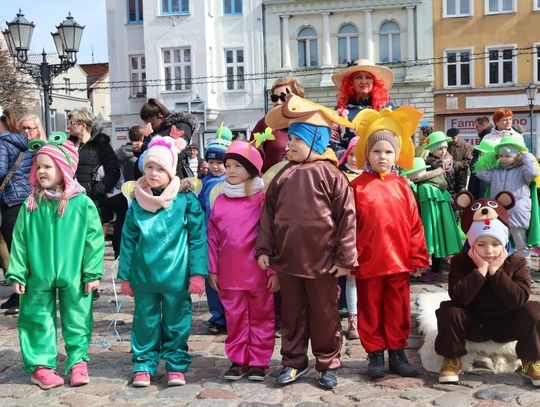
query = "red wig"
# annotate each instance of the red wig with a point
(378, 97)
(500, 113)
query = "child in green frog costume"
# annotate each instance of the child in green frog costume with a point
(57, 249)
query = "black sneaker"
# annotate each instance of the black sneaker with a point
(12, 311)
(398, 364)
(216, 329)
(256, 374)
(236, 372)
(376, 364)
(12, 301)
(290, 374)
(95, 295)
(328, 379)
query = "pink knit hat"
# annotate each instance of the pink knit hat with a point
(247, 155)
(163, 152)
(65, 155)
(351, 146)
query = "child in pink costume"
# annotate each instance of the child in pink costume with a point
(245, 290)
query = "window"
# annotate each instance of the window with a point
(234, 64)
(177, 66)
(456, 8)
(52, 119)
(175, 6)
(67, 86)
(501, 66)
(66, 119)
(307, 48)
(537, 63)
(347, 44)
(500, 6)
(232, 7)
(138, 75)
(389, 47)
(135, 11)
(536, 5)
(458, 68)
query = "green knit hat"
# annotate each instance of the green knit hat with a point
(434, 139)
(510, 141)
(418, 165)
(485, 146)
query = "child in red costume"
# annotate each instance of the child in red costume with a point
(390, 236)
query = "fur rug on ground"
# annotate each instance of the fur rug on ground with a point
(499, 357)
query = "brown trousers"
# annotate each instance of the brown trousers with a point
(309, 310)
(456, 324)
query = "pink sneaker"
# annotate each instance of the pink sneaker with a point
(79, 375)
(141, 379)
(46, 378)
(175, 379)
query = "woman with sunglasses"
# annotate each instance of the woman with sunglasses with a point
(273, 151)
(361, 85)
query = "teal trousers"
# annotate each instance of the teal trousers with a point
(161, 327)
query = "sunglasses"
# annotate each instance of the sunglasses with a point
(275, 98)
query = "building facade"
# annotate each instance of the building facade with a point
(311, 39)
(486, 53)
(203, 56)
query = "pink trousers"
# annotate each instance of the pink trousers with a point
(250, 326)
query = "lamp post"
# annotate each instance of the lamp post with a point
(531, 96)
(67, 39)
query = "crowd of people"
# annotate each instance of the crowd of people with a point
(325, 211)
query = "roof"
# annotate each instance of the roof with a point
(95, 69)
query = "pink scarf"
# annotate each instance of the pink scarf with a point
(151, 203)
(73, 189)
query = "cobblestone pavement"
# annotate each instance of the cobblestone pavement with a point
(110, 372)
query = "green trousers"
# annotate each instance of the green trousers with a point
(161, 326)
(37, 325)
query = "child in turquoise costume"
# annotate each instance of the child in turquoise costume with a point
(58, 247)
(163, 259)
(435, 205)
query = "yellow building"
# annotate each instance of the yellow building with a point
(486, 53)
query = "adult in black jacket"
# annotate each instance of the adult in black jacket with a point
(162, 122)
(94, 151)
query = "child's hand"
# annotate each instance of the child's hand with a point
(146, 130)
(18, 288)
(213, 281)
(417, 272)
(126, 289)
(498, 262)
(196, 285)
(264, 261)
(480, 263)
(91, 286)
(338, 271)
(273, 284)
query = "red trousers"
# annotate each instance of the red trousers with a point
(250, 326)
(309, 310)
(384, 314)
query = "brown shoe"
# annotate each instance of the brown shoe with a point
(449, 372)
(352, 330)
(532, 369)
(236, 372)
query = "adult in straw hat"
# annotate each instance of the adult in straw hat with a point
(360, 85)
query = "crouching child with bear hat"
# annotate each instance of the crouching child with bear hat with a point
(307, 234)
(489, 291)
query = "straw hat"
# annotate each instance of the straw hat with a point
(381, 72)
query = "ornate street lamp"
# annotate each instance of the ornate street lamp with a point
(531, 96)
(67, 39)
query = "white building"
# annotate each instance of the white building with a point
(310, 38)
(202, 56)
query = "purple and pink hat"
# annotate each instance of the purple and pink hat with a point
(247, 155)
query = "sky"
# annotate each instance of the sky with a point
(47, 14)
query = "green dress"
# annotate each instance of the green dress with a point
(435, 205)
(50, 255)
(159, 252)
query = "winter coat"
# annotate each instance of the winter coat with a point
(461, 151)
(497, 135)
(517, 181)
(18, 188)
(128, 160)
(96, 152)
